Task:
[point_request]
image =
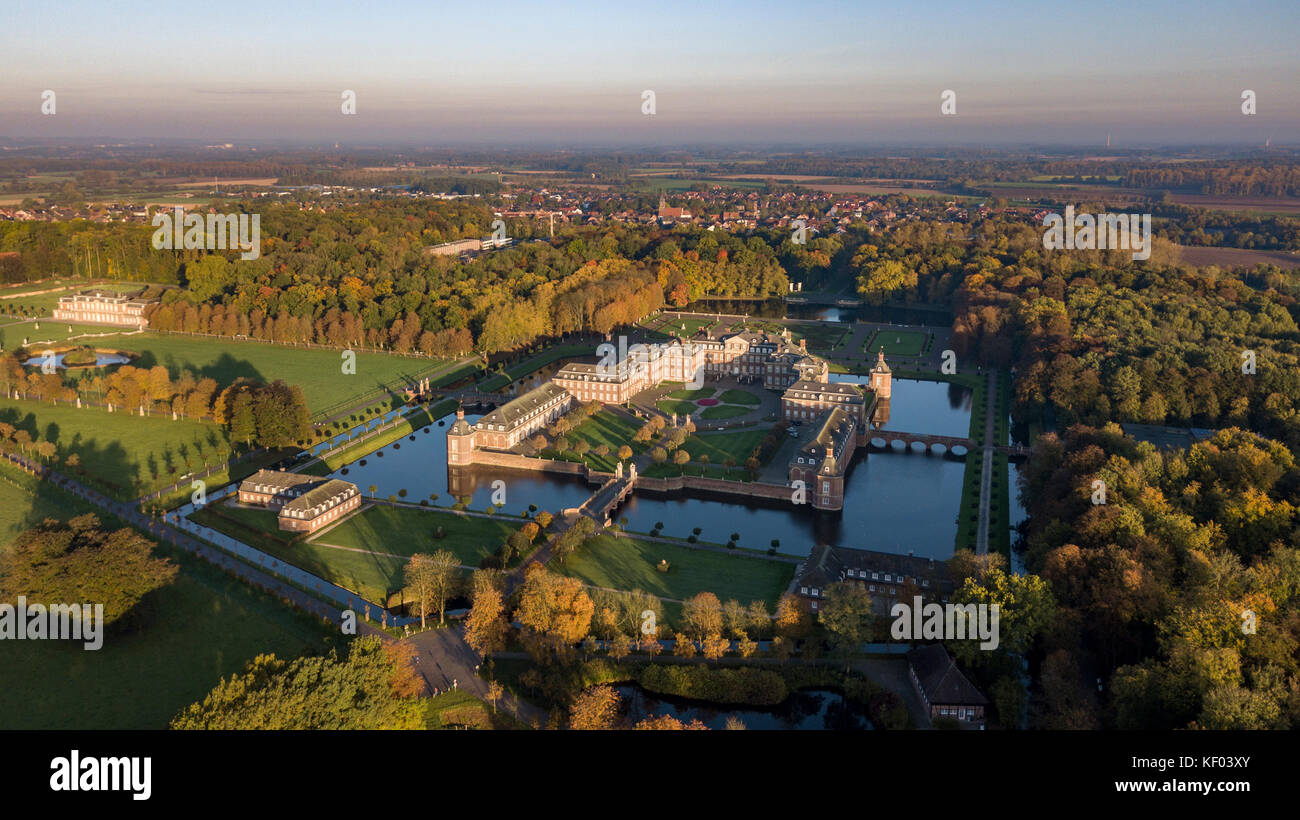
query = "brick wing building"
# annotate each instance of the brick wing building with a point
(947, 692)
(305, 503)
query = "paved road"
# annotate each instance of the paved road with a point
(986, 472)
(445, 661)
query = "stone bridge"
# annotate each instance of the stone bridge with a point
(472, 398)
(605, 500)
(884, 439)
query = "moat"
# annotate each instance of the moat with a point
(896, 501)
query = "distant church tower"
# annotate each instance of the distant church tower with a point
(882, 377)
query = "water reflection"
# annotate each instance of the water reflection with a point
(419, 466)
(805, 709)
(101, 360)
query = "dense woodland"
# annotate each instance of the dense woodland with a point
(1181, 591)
(358, 276)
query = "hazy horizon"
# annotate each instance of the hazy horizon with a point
(824, 73)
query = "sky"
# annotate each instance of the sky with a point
(574, 73)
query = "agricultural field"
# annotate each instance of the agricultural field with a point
(630, 564)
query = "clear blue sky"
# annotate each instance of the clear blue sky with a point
(515, 72)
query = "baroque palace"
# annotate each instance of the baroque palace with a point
(835, 417)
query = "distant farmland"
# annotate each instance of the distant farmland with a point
(1236, 257)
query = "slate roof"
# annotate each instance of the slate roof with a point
(941, 681)
(510, 413)
(828, 564)
(848, 389)
(837, 425)
(272, 481)
(329, 490)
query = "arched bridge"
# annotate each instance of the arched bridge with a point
(884, 440)
(473, 398)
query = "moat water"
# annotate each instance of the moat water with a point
(897, 501)
(805, 709)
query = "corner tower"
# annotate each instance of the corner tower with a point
(882, 379)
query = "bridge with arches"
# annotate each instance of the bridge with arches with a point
(884, 440)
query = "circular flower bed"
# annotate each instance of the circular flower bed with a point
(707, 402)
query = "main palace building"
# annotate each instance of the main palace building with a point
(838, 414)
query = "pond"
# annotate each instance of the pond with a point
(101, 360)
(807, 709)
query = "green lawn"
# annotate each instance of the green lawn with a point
(821, 336)
(26, 501)
(318, 372)
(681, 408)
(408, 531)
(127, 454)
(532, 364)
(724, 411)
(719, 446)
(686, 326)
(611, 429)
(387, 534)
(740, 397)
(203, 626)
(898, 342)
(629, 564)
(692, 395)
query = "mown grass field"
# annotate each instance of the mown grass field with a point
(318, 372)
(719, 446)
(693, 395)
(531, 364)
(740, 397)
(610, 429)
(204, 626)
(724, 411)
(898, 342)
(366, 553)
(629, 564)
(127, 454)
(407, 531)
(680, 407)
